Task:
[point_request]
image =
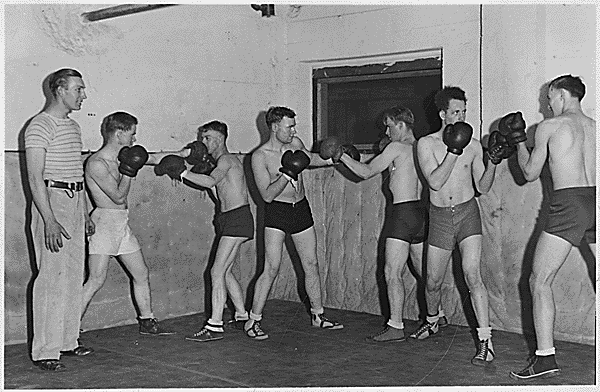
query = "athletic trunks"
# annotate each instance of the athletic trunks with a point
(113, 235)
(290, 218)
(451, 225)
(238, 222)
(407, 221)
(572, 215)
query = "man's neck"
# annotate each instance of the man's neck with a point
(572, 108)
(221, 151)
(57, 110)
(274, 143)
(111, 150)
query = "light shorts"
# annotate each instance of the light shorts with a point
(113, 235)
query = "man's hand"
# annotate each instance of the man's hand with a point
(90, 226)
(54, 233)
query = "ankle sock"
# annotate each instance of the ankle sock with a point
(546, 352)
(433, 319)
(441, 312)
(484, 333)
(214, 326)
(396, 325)
(241, 316)
(317, 311)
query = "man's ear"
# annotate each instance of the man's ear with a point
(442, 114)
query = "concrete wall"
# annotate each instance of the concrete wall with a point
(179, 67)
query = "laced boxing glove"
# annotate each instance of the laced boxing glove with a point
(351, 151)
(497, 146)
(512, 127)
(204, 167)
(131, 160)
(292, 163)
(383, 142)
(457, 136)
(198, 153)
(331, 147)
(171, 165)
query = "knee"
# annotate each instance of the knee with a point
(537, 281)
(95, 282)
(141, 274)
(473, 279)
(392, 272)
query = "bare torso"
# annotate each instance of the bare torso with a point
(273, 163)
(111, 165)
(404, 181)
(231, 190)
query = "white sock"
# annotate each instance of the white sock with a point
(433, 319)
(484, 333)
(441, 312)
(241, 317)
(317, 311)
(255, 317)
(546, 352)
(393, 324)
(215, 326)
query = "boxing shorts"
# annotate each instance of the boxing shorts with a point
(451, 225)
(407, 221)
(238, 222)
(572, 215)
(290, 218)
(113, 235)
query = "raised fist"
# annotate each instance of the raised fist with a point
(131, 160)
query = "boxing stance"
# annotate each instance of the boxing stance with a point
(451, 162)
(234, 220)
(405, 228)
(277, 166)
(108, 174)
(568, 141)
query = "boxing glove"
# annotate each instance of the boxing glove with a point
(512, 127)
(385, 140)
(292, 163)
(497, 145)
(131, 160)
(198, 153)
(171, 165)
(331, 147)
(457, 136)
(204, 167)
(351, 151)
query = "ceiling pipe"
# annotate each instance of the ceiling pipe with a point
(120, 10)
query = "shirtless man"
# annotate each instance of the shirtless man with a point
(452, 162)
(568, 140)
(235, 225)
(108, 174)
(405, 229)
(277, 167)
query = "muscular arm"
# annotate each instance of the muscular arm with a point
(532, 164)
(35, 158)
(116, 190)
(215, 177)
(268, 190)
(484, 177)
(435, 174)
(377, 164)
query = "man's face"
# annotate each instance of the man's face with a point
(394, 131)
(212, 140)
(555, 101)
(127, 138)
(285, 130)
(457, 111)
(74, 94)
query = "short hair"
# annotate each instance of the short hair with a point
(276, 113)
(60, 78)
(117, 121)
(572, 84)
(443, 97)
(215, 125)
(400, 113)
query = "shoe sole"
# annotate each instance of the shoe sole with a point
(385, 341)
(204, 340)
(158, 334)
(546, 374)
(480, 363)
(335, 327)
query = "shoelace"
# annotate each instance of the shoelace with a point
(424, 328)
(483, 350)
(387, 327)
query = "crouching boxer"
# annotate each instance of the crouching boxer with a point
(108, 174)
(277, 166)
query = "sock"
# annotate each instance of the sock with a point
(255, 317)
(484, 333)
(441, 312)
(393, 324)
(241, 316)
(317, 311)
(546, 352)
(433, 319)
(214, 326)
(150, 316)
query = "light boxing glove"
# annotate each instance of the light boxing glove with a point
(131, 160)
(457, 136)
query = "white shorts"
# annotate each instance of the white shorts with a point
(113, 236)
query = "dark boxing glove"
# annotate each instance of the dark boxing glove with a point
(292, 163)
(131, 160)
(171, 165)
(383, 142)
(497, 147)
(331, 147)
(512, 127)
(204, 167)
(198, 153)
(351, 151)
(457, 136)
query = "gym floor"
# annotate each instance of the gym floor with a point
(295, 355)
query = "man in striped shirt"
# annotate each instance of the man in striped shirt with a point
(60, 221)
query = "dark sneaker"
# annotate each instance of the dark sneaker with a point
(388, 334)
(205, 335)
(443, 322)
(484, 355)
(150, 327)
(79, 351)
(320, 321)
(50, 365)
(255, 331)
(539, 367)
(425, 331)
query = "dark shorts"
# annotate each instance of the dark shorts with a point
(572, 215)
(238, 222)
(407, 221)
(451, 225)
(290, 218)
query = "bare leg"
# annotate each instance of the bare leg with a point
(396, 254)
(437, 264)
(226, 252)
(470, 249)
(135, 264)
(273, 248)
(98, 269)
(306, 244)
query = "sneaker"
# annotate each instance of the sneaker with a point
(539, 367)
(388, 334)
(150, 326)
(443, 322)
(484, 354)
(78, 351)
(255, 331)
(205, 335)
(51, 365)
(425, 331)
(236, 324)
(320, 321)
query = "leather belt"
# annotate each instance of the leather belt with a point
(73, 186)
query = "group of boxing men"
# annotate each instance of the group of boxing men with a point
(448, 163)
